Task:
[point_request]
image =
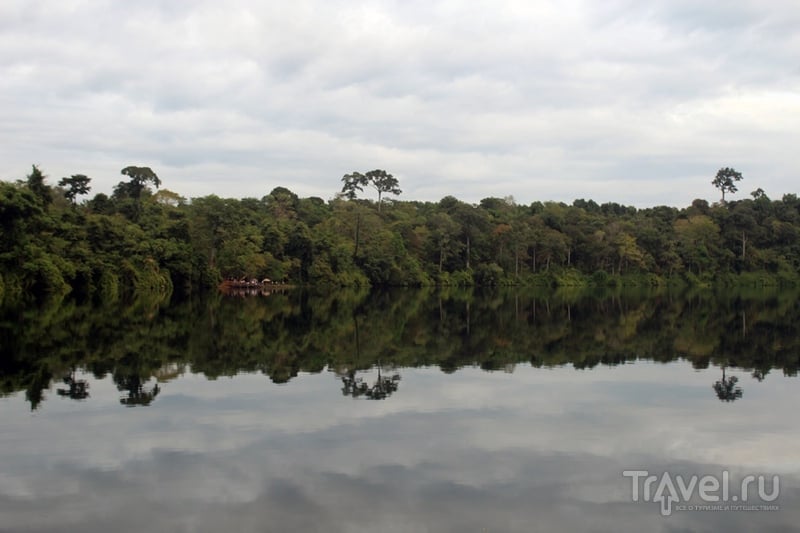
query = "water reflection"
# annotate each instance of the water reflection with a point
(284, 333)
(491, 427)
(77, 389)
(138, 392)
(728, 389)
(533, 450)
(380, 388)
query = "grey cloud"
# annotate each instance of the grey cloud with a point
(530, 91)
(555, 492)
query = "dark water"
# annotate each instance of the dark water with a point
(398, 411)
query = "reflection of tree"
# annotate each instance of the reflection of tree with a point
(300, 331)
(355, 386)
(727, 389)
(382, 388)
(39, 382)
(77, 389)
(138, 393)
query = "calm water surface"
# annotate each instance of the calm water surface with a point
(403, 411)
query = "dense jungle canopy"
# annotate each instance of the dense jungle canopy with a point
(146, 239)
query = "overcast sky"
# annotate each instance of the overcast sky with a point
(621, 100)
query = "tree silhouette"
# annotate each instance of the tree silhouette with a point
(382, 388)
(140, 177)
(138, 394)
(380, 180)
(38, 187)
(75, 185)
(77, 389)
(355, 386)
(725, 180)
(727, 389)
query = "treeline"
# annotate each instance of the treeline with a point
(46, 348)
(144, 239)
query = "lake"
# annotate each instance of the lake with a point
(404, 410)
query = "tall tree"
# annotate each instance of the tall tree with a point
(352, 183)
(383, 182)
(698, 242)
(444, 237)
(282, 203)
(140, 177)
(380, 180)
(76, 185)
(725, 180)
(36, 184)
(474, 224)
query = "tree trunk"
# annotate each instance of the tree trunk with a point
(744, 244)
(467, 252)
(744, 325)
(357, 339)
(358, 228)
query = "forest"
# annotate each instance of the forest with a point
(147, 239)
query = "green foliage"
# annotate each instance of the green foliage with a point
(488, 274)
(108, 286)
(140, 177)
(17, 206)
(136, 242)
(42, 274)
(129, 194)
(461, 278)
(600, 278)
(570, 278)
(36, 184)
(541, 279)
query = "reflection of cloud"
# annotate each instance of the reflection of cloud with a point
(542, 447)
(173, 491)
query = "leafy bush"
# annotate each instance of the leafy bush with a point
(488, 274)
(599, 278)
